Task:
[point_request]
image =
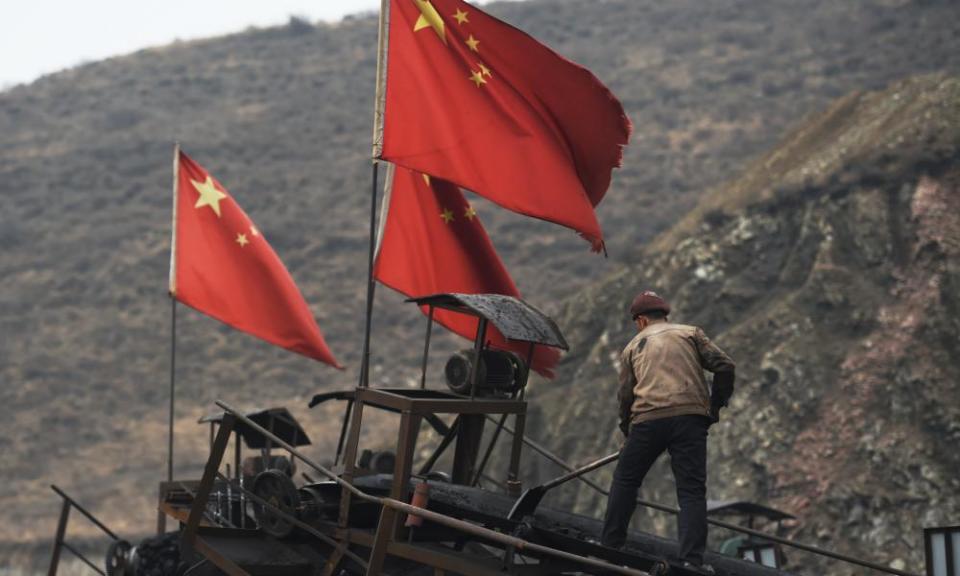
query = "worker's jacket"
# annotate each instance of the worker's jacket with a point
(661, 374)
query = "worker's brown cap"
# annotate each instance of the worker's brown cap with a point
(648, 301)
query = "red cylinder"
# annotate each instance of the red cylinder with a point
(421, 496)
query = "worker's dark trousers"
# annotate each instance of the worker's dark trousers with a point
(685, 437)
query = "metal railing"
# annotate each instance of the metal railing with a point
(508, 541)
(60, 542)
(719, 523)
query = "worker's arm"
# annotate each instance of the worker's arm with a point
(715, 360)
(625, 392)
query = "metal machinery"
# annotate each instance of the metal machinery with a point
(376, 514)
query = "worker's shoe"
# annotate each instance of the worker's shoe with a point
(699, 568)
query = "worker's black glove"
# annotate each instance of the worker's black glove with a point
(714, 414)
(721, 390)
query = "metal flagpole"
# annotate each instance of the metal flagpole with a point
(173, 309)
(371, 284)
(173, 372)
(379, 96)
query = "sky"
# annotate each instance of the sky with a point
(38, 37)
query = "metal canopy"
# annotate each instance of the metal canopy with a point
(514, 318)
(279, 420)
(744, 508)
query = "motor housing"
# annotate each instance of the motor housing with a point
(501, 373)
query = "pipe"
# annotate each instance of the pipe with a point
(442, 519)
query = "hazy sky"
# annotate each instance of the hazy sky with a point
(42, 36)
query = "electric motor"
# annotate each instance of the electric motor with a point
(500, 372)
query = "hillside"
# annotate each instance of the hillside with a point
(830, 270)
(282, 117)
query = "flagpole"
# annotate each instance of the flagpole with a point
(371, 283)
(173, 372)
(379, 96)
(173, 310)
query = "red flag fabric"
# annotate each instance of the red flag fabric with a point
(433, 242)
(475, 101)
(221, 265)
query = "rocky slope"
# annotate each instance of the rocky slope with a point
(282, 117)
(830, 270)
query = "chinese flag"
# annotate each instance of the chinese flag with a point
(221, 265)
(433, 242)
(477, 102)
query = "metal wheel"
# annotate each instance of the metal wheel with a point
(279, 491)
(118, 558)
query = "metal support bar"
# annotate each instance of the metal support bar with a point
(173, 379)
(513, 473)
(441, 519)
(343, 431)
(189, 535)
(298, 523)
(477, 349)
(719, 523)
(486, 455)
(82, 510)
(349, 462)
(333, 561)
(469, 436)
(426, 348)
(371, 283)
(58, 540)
(385, 529)
(505, 540)
(83, 558)
(441, 448)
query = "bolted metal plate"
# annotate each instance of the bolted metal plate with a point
(514, 318)
(279, 420)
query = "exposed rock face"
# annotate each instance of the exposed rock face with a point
(831, 272)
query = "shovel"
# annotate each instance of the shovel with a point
(527, 503)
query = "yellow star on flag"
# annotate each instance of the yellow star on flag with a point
(242, 240)
(209, 195)
(253, 231)
(461, 16)
(473, 43)
(447, 215)
(470, 213)
(484, 70)
(477, 78)
(429, 18)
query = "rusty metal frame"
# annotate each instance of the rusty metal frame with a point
(189, 538)
(441, 448)
(382, 541)
(60, 542)
(425, 402)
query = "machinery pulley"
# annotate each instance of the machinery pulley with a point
(280, 493)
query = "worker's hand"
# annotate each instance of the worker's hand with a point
(714, 414)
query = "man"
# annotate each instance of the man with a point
(665, 404)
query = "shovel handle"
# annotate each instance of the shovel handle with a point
(581, 471)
